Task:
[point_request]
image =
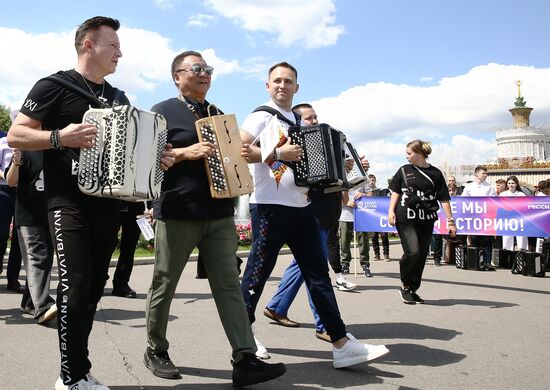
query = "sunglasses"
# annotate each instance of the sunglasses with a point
(198, 69)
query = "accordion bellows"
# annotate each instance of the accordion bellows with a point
(227, 170)
(124, 162)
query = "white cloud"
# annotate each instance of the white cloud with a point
(165, 4)
(144, 66)
(200, 20)
(474, 102)
(458, 115)
(311, 23)
(426, 79)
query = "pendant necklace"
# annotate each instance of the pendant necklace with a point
(100, 98)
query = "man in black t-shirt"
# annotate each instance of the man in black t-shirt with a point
(188, 217)
(83, 228)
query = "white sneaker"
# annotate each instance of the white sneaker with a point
(343, 284)
(261, 352)
(355, 352)
(88, 383)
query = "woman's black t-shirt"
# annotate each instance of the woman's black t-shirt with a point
(428, 193)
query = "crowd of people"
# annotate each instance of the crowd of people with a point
(53, 217)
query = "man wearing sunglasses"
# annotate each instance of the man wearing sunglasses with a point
(188, 217)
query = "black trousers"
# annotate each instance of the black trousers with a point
(333, 246)
(385, 243)
(7, 209)
(84, 241)
(438, 246)
(415, 239)
(129, 238)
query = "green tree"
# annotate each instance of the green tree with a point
(5, 121)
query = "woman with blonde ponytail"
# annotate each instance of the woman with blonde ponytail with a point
(416, 189)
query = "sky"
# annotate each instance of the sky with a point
(383, 72)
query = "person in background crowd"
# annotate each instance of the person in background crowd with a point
(31, 222)
(347, 218)
(513, 189)
(500, 186)
(438, 238)
(129, 237)
(543, 188)
(7, 210)
(480, 187)
(416, 189)
(373, 190)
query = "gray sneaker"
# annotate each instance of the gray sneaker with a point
(406, 296)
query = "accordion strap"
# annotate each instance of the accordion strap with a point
(69, 83)
(280, 116)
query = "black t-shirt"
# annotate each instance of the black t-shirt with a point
(428, 193)
(30, 204)
(326, 207)
(185, 190)
(56, 107)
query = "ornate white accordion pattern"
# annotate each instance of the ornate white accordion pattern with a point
(125, 159)
(227, 170)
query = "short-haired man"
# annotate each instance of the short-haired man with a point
(188, 217)
(83, 228)
(480, 187)
(281, 213)
(327, 208)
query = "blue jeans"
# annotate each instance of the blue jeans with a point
(289, 286)
(272, 227)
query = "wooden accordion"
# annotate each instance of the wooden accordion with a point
(125, 159)
(322, 165)
(227, 170)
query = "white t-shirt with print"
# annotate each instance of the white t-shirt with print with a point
(273, 184)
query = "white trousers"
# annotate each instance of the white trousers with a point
(508, 242)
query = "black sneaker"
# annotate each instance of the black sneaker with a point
(160, 364)
(124, 291)
(437, 262)
(406, 296)
(345, 268)
(416, 297)
(251, 370)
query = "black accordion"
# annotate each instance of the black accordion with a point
(323, 162)
(503, 258)
(529, 264)
(470, 258)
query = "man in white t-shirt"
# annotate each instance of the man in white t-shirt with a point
(480, 187)
(281, 213)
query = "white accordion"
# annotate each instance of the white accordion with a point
(227, 170)
(357, 175)
(124, 162)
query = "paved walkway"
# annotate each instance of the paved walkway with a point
(477, 330)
